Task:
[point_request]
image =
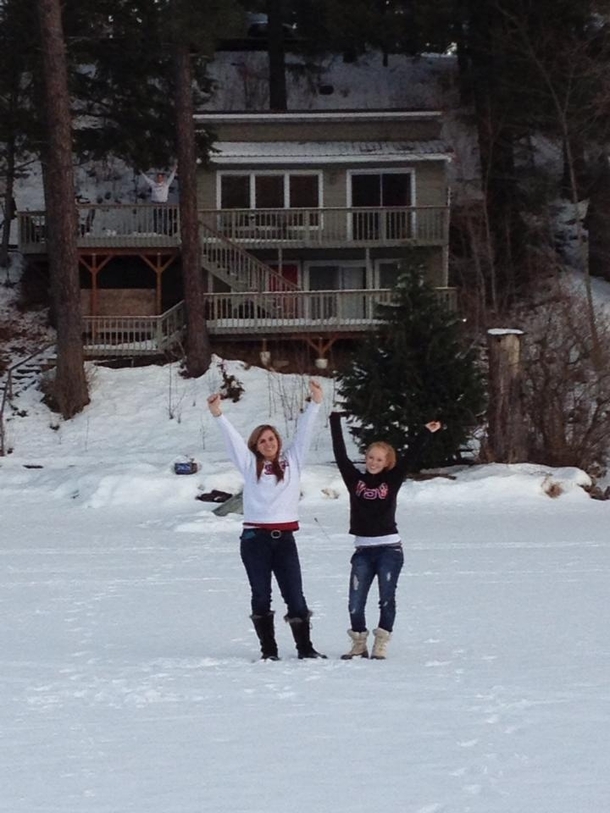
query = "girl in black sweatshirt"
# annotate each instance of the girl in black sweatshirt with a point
(378, 553)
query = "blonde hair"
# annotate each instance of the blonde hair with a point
(390, 452)
(260, 460)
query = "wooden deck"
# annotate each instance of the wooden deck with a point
(244, 316)
(260, 302)
(145, 226)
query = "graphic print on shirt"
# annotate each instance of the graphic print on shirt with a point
(380, 492)
(268, 468)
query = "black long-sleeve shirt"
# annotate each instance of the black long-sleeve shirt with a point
(372, 496)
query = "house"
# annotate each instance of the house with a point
(305, 221)
(308, 217)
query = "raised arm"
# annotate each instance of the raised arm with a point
(148, 180)
(171, 176)
(345, 465)
(402, 463)
(336, 434)
(304, 432)
(236, 446)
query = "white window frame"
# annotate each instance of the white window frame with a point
(285, 173)
(377, 270)
(343, 264)
(378, 171)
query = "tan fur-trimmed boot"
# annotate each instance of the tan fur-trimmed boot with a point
(382, 638)
(359, 648)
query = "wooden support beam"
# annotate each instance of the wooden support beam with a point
(159, 266)
(94, 267)
(321, 344)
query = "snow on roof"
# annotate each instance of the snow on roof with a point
(237, 152)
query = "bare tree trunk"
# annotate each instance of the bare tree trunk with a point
(9, 212)
(278, 95)
(506, 433)
(598, 217)
(198, 353)
(70, 390)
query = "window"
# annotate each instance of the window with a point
(344, 277)
(303, 191)
(374, 191)
(389, 273)
(336, 277)
(235, 192)
(270, 190)
(370, 189)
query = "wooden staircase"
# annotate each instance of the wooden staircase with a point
(19, 377)
(240, 270)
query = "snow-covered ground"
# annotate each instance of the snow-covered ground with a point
(129, 678)
(129, 672)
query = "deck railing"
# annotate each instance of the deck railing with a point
(332, 226)
(134, 335)
(112, 225)
(300, 312)
(242, 315)
(142, 225)
(238, 268)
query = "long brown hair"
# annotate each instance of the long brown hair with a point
(260, 460)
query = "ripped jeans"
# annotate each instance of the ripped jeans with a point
(384, 562)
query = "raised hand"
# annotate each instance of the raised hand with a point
(214, 402)
(315, 389)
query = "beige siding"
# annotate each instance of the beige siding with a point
(368, 130)
(334, 187)
(437, 273)
(431, 184)
(431, 187)
(206, 189)
(120, 302)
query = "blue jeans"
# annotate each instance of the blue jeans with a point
(266, 553)
(385, 562)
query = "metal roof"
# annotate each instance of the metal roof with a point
(318, 152)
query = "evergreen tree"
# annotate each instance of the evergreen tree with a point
(413, 369)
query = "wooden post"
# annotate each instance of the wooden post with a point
(506, 429)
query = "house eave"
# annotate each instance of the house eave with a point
(325, 160)
(310, 116)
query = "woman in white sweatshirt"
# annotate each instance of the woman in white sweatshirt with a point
(272, 488)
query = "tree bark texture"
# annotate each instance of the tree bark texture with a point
(8, 203)
(198, 353)
(278, 97)
(70, 391)
(496, 150)
(506, 429)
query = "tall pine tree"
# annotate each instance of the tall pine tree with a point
(415, 368)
